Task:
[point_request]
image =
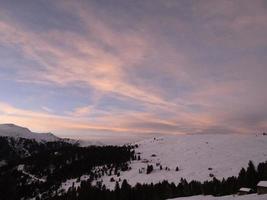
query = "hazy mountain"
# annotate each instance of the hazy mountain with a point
(12, 130)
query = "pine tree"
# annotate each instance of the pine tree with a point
(252, 176)
(262, 171)
(242, 178)
(149, 169)
(117, 191)
(125, 191)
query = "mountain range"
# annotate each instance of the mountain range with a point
(44, 166)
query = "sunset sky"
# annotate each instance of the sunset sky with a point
(128, 69)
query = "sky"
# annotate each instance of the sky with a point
(123, 70)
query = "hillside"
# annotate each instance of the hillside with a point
(46, 166)
(198, 157)
(230, 197)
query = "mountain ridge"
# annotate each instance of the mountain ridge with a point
(15, 131)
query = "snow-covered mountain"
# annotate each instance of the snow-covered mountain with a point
(12, 130)
(198, 157)
(18, 142)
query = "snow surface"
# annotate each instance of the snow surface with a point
(76, 182)
(262, 184)
(198, 157)
(231, 197)
(65, 186)
(243, 189)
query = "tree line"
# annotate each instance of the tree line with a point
(57, 164)
(248, 177)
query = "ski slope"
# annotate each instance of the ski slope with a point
(197, 156)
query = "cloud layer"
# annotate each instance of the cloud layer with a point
(134, 68)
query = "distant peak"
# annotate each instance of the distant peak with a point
(13, 126)
(13, 130)
(9, 125)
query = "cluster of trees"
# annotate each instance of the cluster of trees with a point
(14, 149)
(57, 163)
(72, 162)
(247, 178)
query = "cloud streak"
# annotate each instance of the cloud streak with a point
(163, 67)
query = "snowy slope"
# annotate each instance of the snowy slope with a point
(244, 197)
(197, 156)
(11, 130)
